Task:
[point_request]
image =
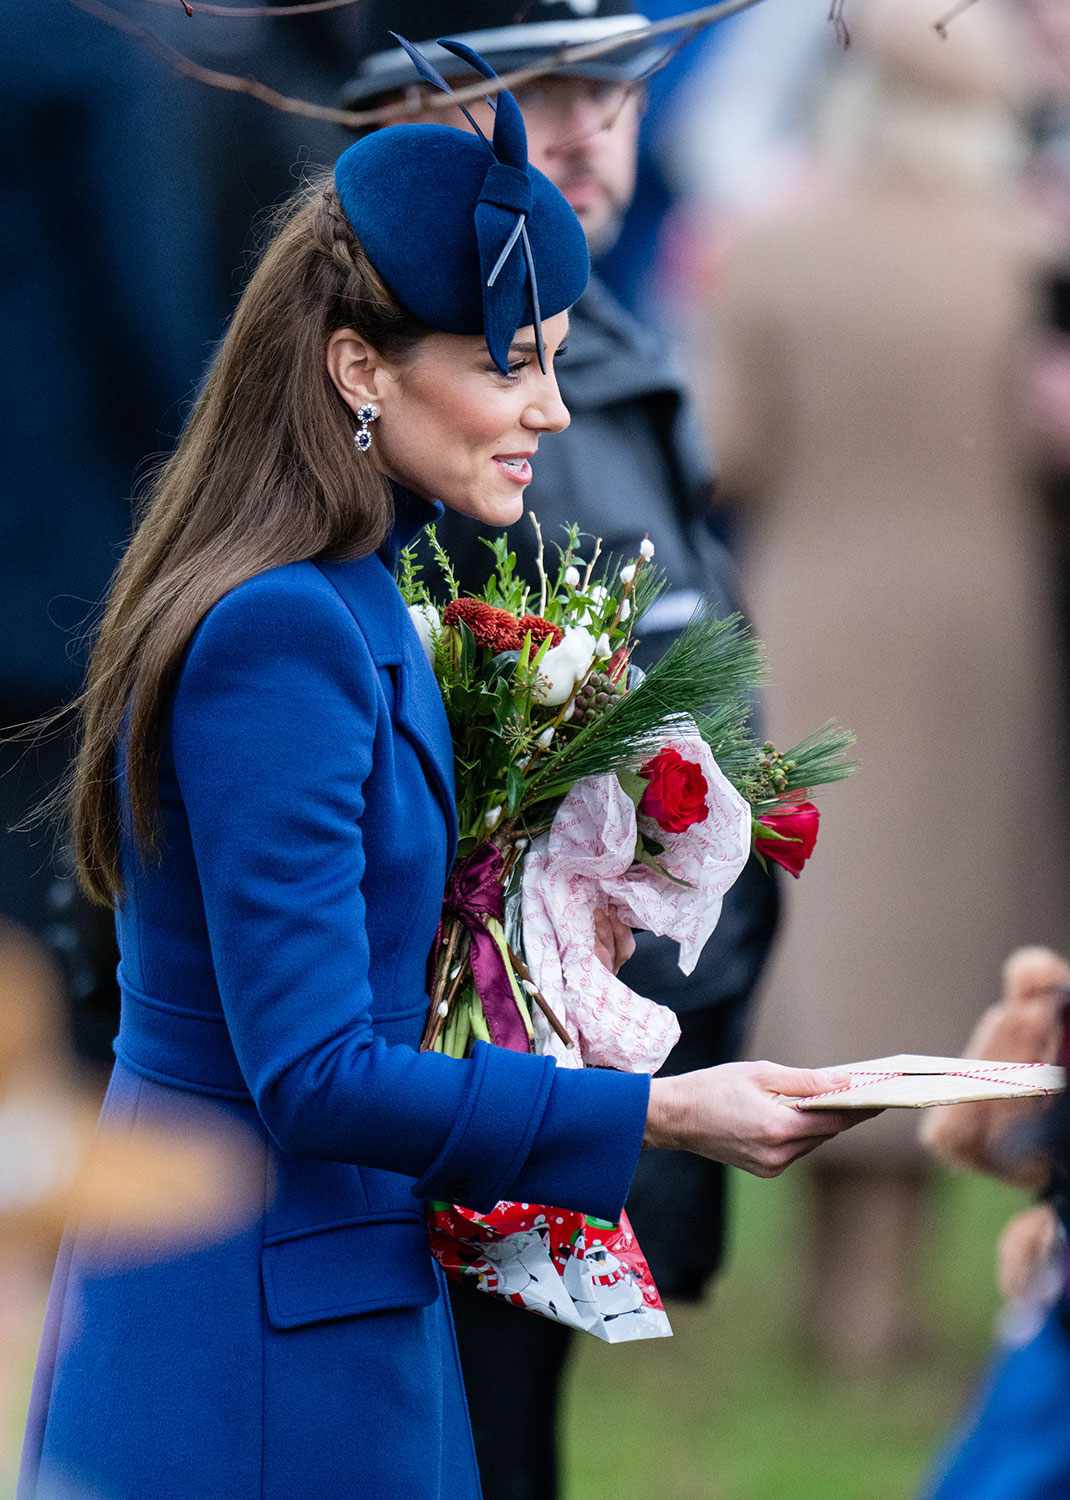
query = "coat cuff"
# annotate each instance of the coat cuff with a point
(492, 1133)
(530, 1130)
(586, 1153)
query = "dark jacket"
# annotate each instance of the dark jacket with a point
(633, 462)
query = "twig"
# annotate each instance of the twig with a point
(431, 1034)
(590, 566)
(250, 12)
(941, 24)
(838, 21)
(230, 82)
(415, 101)
(536, 994)
(540, 562)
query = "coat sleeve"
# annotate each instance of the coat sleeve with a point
(272, 731)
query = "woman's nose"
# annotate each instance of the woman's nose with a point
(548, 413)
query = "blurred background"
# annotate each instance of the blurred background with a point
(862, 255)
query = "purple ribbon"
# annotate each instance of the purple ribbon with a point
(473, 893)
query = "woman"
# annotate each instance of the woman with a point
(276, 842)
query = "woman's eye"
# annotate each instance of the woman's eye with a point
(512, 371)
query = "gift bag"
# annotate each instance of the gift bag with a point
(556, 1262)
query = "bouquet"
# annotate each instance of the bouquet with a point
(587, 787)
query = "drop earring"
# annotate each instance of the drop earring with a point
(365, 416)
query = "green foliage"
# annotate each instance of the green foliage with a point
(504, 588)
(709, 674)
(413, 589)
(711, 661)
(818, 760)
(442, 558)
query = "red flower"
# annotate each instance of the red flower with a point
(494, 628)
(797, 825)
(676, 796)
(617, 664)
(540, 629)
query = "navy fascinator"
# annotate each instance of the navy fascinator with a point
(464, 232)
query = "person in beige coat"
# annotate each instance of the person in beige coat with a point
(865, 417)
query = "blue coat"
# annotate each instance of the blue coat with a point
(274, 965)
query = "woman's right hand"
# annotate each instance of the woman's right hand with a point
(741, 1114)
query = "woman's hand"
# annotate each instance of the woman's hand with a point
(614, 943)
(741, 1114)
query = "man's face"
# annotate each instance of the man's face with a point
(583, 134)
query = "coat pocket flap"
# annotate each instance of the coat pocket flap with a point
(341, 1270)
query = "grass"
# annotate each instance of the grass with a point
(730, 1409)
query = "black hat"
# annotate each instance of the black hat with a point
(508, 33)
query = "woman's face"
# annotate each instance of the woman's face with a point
(454, 429)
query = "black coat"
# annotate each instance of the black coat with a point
(632, 463)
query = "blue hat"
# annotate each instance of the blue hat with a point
(464, 232)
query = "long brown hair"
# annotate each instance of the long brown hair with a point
(265, 473)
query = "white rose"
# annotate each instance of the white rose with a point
(572, 577)
(427, 622)
(627, 575)
(646, 549)
(563, 666)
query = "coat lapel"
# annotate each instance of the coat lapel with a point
(368, 589)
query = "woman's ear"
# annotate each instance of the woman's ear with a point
(359, 374)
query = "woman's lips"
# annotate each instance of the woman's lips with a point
(515, 467)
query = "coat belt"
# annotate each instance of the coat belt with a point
(174, 1045)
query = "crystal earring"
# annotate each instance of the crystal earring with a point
(365, 415)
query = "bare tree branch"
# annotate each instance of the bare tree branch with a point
(249, 12)
(416, 101)
(941, 24)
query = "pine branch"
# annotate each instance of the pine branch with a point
(711, 661)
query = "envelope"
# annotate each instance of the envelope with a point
(908, 1081)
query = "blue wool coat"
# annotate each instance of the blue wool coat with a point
(274, 965)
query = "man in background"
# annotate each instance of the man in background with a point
(632, 463)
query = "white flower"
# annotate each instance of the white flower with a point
(626, 610)
(492, 819)
(572, 577)
(545, 740)
(563, 666)
(599, 594)
(646, 549)
(427, 622)
(627, 574)
(603, 650)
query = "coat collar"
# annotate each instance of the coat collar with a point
(367, 587)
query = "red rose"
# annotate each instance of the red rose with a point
(676, 796)
(797, 826)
